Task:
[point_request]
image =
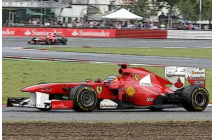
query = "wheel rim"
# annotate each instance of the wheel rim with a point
(200, 99)
(87, 98)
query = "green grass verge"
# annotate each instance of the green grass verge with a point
(18, 74)
(171, 52)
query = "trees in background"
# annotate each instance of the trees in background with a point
(144, 8)
(207, 10)
(189, 9)
(147, 8)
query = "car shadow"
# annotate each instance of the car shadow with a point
(34, 110)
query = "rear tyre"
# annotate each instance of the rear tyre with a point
(195, 98)
(84, 98)
(64, 41)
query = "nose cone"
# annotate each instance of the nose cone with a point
(35, 88)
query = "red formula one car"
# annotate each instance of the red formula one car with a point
(136, 88)
(49, 40)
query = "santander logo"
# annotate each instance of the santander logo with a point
(8, 32)
(101, 33)
(74, 33)
(40, 33)
(179, 84)
(27, 32)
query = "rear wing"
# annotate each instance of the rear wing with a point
(178, 75)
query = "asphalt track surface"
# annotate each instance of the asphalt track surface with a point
(32, 114)
(116, 42)
(10, 45)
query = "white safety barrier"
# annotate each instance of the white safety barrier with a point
(188, 34)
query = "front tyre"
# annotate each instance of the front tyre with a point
(84, 98)
(195, 98)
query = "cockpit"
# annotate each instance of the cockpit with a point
(110, 79)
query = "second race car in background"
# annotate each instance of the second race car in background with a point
(49, 40)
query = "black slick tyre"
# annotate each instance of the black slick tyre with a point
(84, 98)
(48, 41)
(64, 41)
(195, 98)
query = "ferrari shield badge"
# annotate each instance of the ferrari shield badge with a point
(136, 76)
(99, 89)
(130, 91)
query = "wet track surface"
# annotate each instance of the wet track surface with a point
(9, 44)
(33, 114)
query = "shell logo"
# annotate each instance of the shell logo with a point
(193, 72)
(130, 91)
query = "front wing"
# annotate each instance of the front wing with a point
(41, 101)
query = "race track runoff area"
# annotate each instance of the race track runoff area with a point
(108, 130)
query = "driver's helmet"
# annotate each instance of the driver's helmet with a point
(111, 78)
